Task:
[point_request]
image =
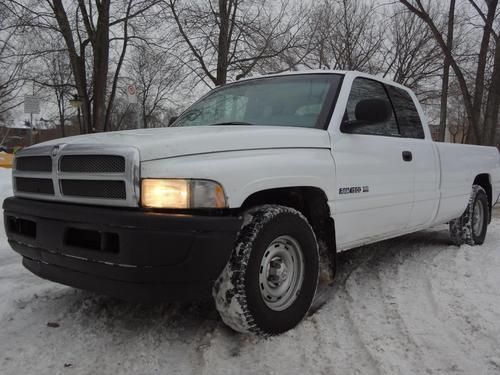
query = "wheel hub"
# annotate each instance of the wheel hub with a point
(281, 273)
(278, 272)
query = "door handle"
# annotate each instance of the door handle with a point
(407, 156)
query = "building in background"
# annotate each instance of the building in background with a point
(12, 137)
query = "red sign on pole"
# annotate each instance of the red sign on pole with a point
(132, 93)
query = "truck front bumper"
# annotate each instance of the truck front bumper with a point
(129, 254)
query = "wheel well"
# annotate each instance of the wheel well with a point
(483, 180)
(312, 203)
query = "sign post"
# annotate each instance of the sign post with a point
(31, 106)
(76, 102)
(132, 93)
(132, 99)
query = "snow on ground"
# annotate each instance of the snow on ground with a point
(413, 305)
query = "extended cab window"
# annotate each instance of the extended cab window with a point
(406, 113)
(369, 110)
(295, 100)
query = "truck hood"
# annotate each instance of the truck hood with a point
(160, 143)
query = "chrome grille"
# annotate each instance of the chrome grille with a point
(93, 163)
(89, 174)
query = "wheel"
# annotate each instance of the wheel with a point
(270, 281)
(470, 228)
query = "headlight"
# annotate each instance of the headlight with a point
(179, 193)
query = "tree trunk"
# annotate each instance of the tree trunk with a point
(446, 74)
(476, 134)
(77, 61)
(101, 66)
(493, 103)
(86, 112)
(112, 94)
(62, 114)
(63, 131)
(144, 115)
(223, 43)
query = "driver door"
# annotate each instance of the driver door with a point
(374, 192)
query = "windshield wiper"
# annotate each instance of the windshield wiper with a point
(231, 123)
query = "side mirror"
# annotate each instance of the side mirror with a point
(172, 119)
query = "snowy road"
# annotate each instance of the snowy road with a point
(413, 305)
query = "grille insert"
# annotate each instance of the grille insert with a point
(34, 163)
(35, 185)
(93, 188)
(92, 164)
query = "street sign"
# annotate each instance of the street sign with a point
(31, 104)
(132, 94)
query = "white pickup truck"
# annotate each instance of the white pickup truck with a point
(245, 194)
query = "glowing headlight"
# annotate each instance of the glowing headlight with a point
(179, 193)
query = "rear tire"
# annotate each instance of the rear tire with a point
(270, 281)
(471, 227)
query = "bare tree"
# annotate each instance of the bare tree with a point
(446, 73)
(410, 54)
(90, 29)
(232, 38)
(457, 125)
(156, 74)
(492, 109)
(347, 36)
(55, 74)
(482, 120)
(123, 116)
(12, 62)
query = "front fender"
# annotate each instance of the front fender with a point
(243, 173)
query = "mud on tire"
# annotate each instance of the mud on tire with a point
(464, 230)
(239, 294)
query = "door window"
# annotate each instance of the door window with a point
(406, 113)
(369, 110)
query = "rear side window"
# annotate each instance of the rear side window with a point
(408, 119)
(369, 110)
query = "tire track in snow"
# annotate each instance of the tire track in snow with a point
(472, 298)
(413, 275)
(380, 327)
(352, 314)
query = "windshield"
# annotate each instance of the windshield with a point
(294, 100)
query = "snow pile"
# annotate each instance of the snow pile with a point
(414, 305)
(5, 182)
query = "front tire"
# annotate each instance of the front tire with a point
(270, 281)
(471, 227)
